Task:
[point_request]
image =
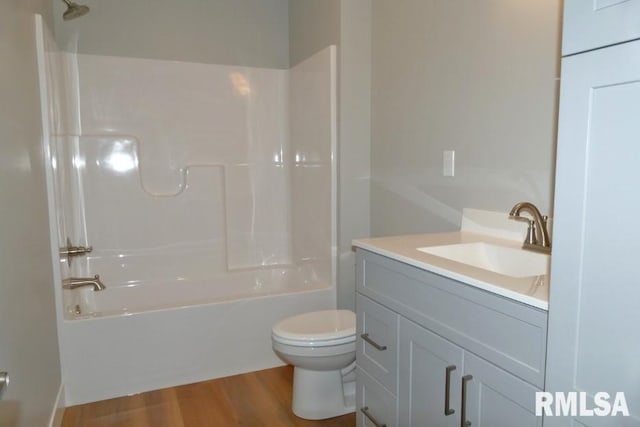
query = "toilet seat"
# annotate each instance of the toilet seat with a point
(316, 329)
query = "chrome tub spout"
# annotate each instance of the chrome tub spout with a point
(78, 282)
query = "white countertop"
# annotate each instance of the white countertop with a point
(533, 290)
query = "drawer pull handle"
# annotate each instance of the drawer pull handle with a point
(366, 413)
(373, 343)
(463, 405)
(447, 390)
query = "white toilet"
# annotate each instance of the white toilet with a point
(321, 346)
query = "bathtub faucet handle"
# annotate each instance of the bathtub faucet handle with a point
(72, 251)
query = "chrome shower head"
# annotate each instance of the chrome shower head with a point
(74, 10)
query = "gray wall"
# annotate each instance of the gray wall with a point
(314, 25)
(233, 32)
(28, 338)
(477, 77)
(354, 157)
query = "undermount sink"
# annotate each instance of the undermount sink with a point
(498, 259)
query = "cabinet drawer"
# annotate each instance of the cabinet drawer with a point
(510, 334)
(374, 404)
(377, 341)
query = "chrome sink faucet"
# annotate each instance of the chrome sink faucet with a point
(537, 235)
(78, 282)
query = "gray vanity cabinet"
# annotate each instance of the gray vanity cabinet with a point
(449, 336)
(431, 373)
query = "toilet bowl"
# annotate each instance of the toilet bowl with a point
(321, 346)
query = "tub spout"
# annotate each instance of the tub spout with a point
(78, 282)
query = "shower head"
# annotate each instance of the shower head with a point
(74, 10)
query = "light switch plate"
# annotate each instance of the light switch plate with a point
(448, 163)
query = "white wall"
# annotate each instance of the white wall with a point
(477, 77)
(28, 340)
(314, 24)
(232, 32)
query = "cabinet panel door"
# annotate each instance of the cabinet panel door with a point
(495, 398)
(375, 405)
(377, 341)
(593, 318)
(589, 24)
(423, 360)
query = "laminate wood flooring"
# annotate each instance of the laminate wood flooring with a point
(257, 399)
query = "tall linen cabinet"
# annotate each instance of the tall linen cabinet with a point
(594, 313)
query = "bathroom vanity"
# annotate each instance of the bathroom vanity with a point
(445, 343)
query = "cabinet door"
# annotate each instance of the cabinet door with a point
(377, 341)
(495, 398)
(589, 24)
(593, 315)
(376, 406)
(430, 369)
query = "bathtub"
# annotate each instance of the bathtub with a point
(134, 338)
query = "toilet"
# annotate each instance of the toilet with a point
(321, 346)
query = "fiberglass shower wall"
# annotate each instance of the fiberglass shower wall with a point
(189, 171)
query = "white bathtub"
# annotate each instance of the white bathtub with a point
(130, 339)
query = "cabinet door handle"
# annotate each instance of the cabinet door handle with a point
(447, 390)
(373, 343)
(375, 422)
(463, 405)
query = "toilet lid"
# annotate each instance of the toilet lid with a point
(327, 327)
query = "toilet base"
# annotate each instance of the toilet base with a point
(321, 394)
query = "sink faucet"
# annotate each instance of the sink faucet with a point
(537, 235)
(78, 282)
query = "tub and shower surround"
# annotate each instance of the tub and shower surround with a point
(181, 155)
(207, 193)
(193, 171)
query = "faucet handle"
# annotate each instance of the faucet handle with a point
(531, 238)
(531, 233)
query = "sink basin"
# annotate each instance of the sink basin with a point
(498, 259)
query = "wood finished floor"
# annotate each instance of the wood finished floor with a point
(260, 398)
